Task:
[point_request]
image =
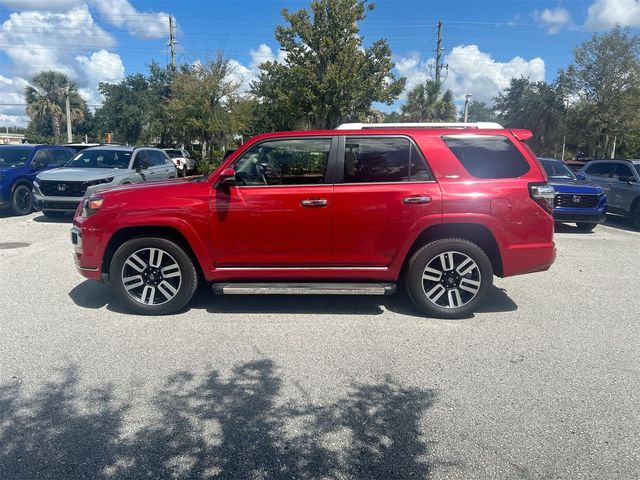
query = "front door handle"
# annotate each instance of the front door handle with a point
(417, 199)
(314, 202)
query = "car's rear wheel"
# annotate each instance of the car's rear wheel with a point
(21, 200)
(586, 226)
(153, 276)
(448, 278)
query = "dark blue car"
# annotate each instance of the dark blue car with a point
(576, 200)
(19, 165)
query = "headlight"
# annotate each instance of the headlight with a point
(91, 205)
(99, 182)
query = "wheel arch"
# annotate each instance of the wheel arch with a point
(127, 233)
(473, 232)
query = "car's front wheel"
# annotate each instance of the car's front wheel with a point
(21, 200)
(586, 226)
(448, 278)
(153, 276)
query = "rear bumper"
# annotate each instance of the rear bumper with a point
(528, 258)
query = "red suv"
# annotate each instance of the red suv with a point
(354, 210)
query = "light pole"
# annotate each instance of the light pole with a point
(69, 132)
(466, 106)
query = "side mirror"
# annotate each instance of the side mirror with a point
(580, 176)
(141, 165)
(37, 164)
(227, 178)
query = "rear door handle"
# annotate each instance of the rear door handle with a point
(417, 199)
(314, 202)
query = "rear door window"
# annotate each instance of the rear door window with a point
(488, 156)
(62, 156)
(383, 160)
(622, 171)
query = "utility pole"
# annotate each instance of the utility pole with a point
(439, 65)
(69, 132)
(172, 42)
(466, 106)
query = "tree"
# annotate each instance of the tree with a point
(46, 102)
(479, 112)
(328, 76)
(426, 103)
(126, 111)
(604, 80)
(205, 101)
(536, 106)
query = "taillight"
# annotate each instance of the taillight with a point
(543, 194)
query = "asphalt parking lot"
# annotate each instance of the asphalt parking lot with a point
(542, 383)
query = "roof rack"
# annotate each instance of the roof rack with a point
(367, 126)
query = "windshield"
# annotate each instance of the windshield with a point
(174, 153)
(13, 157)
(101, 159)
(557, 170)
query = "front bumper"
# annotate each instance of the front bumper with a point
(55, 204)
(84, 255)
(587, 215)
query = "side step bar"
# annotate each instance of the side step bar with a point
(304, 288)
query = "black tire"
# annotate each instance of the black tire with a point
(51, 214)
(635, 216)
(22, 200)
(184, 290)
(587, 227)
(416, 285)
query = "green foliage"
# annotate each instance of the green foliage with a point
(536, 106)
(426, 103)
(479, 112)
(328, 76)
(46, 105)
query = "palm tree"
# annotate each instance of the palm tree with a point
(426, 102)
(46, 98)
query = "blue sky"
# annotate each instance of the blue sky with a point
(486, 42)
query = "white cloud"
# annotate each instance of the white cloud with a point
(47, 5)
(12, 92)
(241, 75)
(101, 66)
(553, 19)
(263, 54)
(471, 71)
(605, 14)
(140, 24)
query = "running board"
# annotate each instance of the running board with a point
(304, 288)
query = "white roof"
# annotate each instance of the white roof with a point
(365, 126)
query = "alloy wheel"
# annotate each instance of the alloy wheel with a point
(23, 200)
(151, 276)
(451, 280)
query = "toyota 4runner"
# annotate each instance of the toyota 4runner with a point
(442, 207)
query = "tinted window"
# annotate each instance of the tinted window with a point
(599, 169)
(101, 159)
(43, 157)
(622, 170)
(637, 165)
(374, 160)
(284, 162)
(13, 157)
(174, 153)
(557, 170)
(156, 158)
(62, 156)
(485, 156)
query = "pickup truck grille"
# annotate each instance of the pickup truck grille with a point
(570, 200)
(63, 189)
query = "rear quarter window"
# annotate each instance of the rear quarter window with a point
(488, 156)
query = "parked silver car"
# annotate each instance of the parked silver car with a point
(621, 182)
(61, 189)
(185, 164)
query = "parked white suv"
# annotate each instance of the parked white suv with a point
(183, 161)
(61, 189)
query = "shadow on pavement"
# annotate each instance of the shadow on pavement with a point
(94, 295)
(571, 228)
(65, 218)
(621, 223)
(211, 426)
